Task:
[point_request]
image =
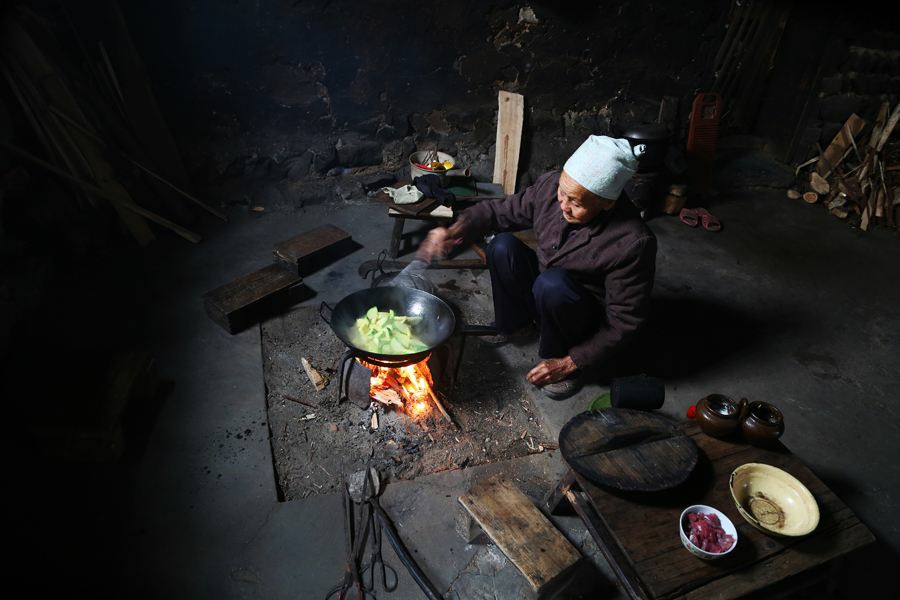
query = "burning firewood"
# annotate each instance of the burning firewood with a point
(389, 397)
(408, 387)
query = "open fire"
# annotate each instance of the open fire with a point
(408, 388)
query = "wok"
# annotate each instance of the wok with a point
(438, 320)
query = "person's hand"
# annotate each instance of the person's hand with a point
(440, 241)
(551, 371)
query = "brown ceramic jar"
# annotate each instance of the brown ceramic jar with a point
(761, 423)
(718, 415)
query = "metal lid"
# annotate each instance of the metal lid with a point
(646, 132)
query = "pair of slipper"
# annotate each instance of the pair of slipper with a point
(694, 216)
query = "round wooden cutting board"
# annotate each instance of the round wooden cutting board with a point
(630, 450)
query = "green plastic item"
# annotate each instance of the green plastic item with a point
(601, 401)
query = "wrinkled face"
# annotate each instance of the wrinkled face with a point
(578, 205)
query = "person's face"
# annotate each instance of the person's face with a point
(578, 205)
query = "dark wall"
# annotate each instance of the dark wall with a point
(276, 78)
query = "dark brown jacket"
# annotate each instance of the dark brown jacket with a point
(614, 256)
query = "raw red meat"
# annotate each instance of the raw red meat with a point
(705, 532)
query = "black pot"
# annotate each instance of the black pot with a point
(655, 138)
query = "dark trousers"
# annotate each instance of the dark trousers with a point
(565, 312)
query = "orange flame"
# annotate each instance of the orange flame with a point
(413, 383)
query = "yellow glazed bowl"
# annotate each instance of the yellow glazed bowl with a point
(773, 501)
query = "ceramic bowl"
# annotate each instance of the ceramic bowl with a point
(724, 521)
(773, 500)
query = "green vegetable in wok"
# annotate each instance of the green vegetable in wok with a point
(386, 333)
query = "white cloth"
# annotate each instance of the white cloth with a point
(603, 165)
(405, 194)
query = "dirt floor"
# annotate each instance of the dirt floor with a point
(315, 438)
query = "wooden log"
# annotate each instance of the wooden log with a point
(810, 197)
(840, 146)
(253, 297)
(521, 531)
(880, 120)
(315, 378)
(793, 195)
(313, 249)
(818, 183)
(888, 128)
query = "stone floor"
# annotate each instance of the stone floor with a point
(786, 304)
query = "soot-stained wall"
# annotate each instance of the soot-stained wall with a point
(308, 85)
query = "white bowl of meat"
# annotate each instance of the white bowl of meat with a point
(706, 532)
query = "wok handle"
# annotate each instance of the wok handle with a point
(322, 308)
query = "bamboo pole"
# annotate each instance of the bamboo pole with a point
(137, 164)
(152, 216)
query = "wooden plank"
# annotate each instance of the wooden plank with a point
(510, 116)
(253, 297)
(645, 532)
(888, 128)
(313, 249)
(840, 145)
(613, 554)
(524, 534)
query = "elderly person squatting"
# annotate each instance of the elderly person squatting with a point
(588, 285)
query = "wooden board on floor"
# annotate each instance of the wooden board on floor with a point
(509, 139)
(313, 249)
(524, 534)
(253, 297)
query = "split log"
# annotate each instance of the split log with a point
(878, 127)
(840, 146)
(840, 213)
(388, 397)
(888, 128)
(315, 377)
(818, 183)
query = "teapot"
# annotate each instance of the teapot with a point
(719, 415)
(761, 423)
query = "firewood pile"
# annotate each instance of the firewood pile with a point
(857, 177)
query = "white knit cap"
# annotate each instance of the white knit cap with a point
(603, 165)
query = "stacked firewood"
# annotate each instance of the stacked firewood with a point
(857, 177)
